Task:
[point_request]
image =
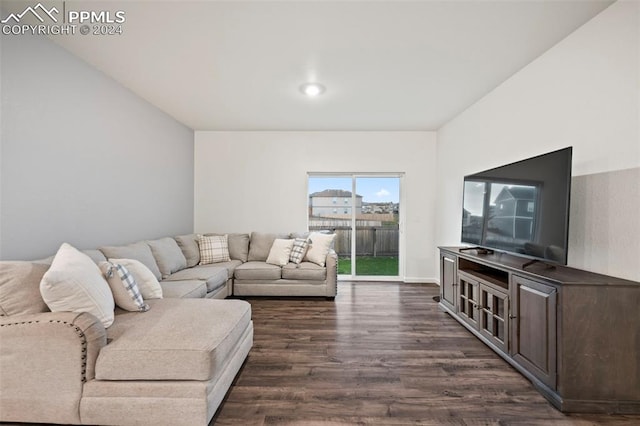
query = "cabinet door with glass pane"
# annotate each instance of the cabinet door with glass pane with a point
(468, 298)
(494, 308)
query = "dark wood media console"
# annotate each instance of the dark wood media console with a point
(573, 333)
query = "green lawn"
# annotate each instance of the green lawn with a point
(369, 265)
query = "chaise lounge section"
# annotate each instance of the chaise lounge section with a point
(168, 363)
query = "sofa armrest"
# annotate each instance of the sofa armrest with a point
(332, 274)
(44, 361)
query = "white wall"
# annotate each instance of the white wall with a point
(584, 92)
(83, 159)
(257, 181)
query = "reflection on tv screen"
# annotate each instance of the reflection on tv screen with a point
(522, 207)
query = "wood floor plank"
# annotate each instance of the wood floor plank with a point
(380, 354)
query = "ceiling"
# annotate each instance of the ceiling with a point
(387, 65)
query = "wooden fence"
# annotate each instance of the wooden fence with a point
(370, 240)
(378, 217)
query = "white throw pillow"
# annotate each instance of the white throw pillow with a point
(280, 252)
(124, 287)
(319, 246)
(147, 282)
(213, 249)
(74, 283)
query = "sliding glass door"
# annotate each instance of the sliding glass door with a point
(364, 212)
(377, 227)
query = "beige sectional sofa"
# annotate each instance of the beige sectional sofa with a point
(247, 272)
(170, 365)
(250, 275)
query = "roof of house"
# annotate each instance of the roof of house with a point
(517, 192)
(333, 193)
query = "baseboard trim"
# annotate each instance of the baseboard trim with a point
(421, 280)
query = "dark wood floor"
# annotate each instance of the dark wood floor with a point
(380, 354)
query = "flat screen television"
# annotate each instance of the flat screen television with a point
(521, 208)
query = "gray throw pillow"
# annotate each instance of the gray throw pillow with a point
(168, 255)
(189, 245)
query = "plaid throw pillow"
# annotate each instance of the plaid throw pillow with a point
(124, 287)
(299, 250)
(213, 249)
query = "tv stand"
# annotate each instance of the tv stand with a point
(534, 261)
(572, 333)
(479, 250)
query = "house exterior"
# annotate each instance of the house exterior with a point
(331, 202)
(513, 215)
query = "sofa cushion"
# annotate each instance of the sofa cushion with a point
(20, 288)
(238, 246)
(230, 266)
(190, 249)
(214, 276)
(75, 283)
(214, 282)
(165, 344)
(203, 272)
(185, 289)
(260, 245)
(302, 234)
(45, 261)
(147, 282)
(304, 271)
(280, 252)
(213, 249)
(139, 251)
(123, 287)
(96, 255)
(168, 255)
(258, 271)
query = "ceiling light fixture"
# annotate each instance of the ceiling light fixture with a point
(312, 89)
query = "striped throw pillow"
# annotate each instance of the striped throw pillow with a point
(299, 250)
(124, 287)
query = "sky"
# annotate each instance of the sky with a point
(372, 189)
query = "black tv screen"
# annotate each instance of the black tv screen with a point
(521, 207)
